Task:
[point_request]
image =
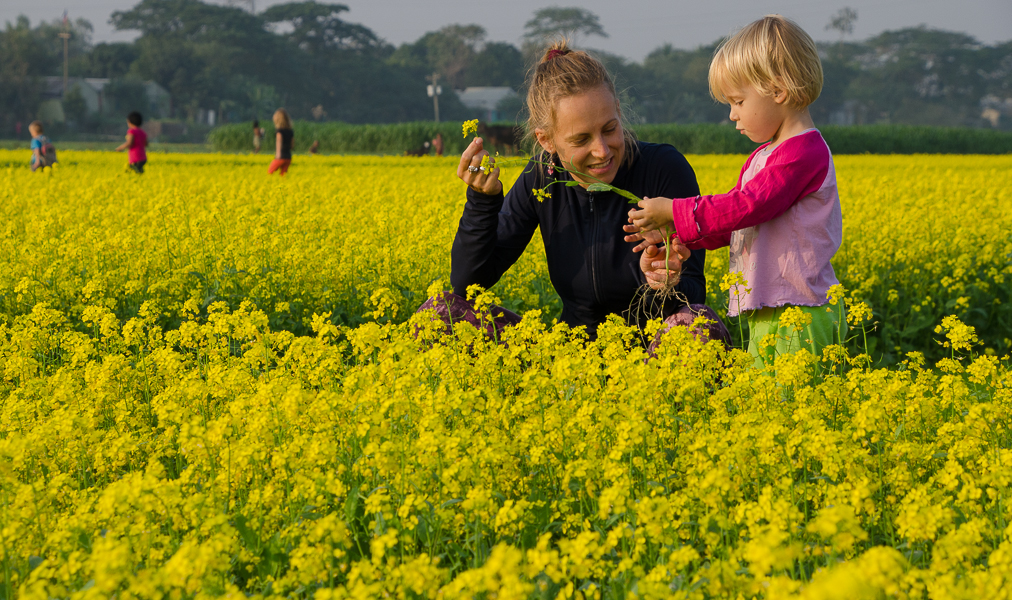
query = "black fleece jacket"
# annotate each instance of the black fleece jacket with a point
(594, 271)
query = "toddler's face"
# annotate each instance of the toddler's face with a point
(756, 115)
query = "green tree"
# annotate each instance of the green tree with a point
(674, 87)
(843, 21)
(555, 21)
(24, 58)
(127, 95)
(448, 52)
(203, 54)
(105, 60)
(916, 76)
(75, 107)
(496, 64)
(316, 27)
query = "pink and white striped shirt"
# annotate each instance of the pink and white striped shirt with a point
(782, 221)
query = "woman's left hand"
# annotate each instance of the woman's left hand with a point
(476, 176)
(645, 238)
(652, 264)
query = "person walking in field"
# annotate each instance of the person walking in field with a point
(283, 140)
(782, 220)
(136, 142)
(43, 152)
(258, 136)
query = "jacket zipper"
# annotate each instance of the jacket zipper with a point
(593, 249)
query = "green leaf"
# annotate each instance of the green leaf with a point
(605, 187)
(628, 195)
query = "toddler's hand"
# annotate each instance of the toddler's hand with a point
(654, 213)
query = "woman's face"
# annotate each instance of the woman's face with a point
(587, 135)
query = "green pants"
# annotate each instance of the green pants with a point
(828, 326)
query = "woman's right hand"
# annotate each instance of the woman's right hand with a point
(479, 181)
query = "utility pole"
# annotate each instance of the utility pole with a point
(435, 90)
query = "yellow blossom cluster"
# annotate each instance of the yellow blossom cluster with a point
(213, 384)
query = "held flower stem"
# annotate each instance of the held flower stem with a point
(487, 164)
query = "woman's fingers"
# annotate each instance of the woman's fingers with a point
(673, 264)
(465, 159)
(479, 178)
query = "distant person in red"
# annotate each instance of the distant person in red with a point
(437, 143)
(136, 142)
(283, 142)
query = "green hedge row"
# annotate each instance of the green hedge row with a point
(704, 138)
(342, 138)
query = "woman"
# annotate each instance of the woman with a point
(283, 139)
(576, 120)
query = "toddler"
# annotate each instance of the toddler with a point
(43, 153)
(136, 142)
(782, 220)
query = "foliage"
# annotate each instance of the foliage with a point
(22, 51)
(126, 95)
(210, 386)
(321, 65)
(701, 138)
(342, 138)
(316, 27)
(555, 22)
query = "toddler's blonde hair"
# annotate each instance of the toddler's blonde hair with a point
(770, 54)
(282, 120)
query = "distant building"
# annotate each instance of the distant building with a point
(487, 101)
(94, 93)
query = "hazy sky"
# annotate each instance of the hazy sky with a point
(635, 27)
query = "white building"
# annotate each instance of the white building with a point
(93, 92)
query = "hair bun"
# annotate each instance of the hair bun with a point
(554, 52)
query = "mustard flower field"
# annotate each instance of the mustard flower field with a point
(214, 384)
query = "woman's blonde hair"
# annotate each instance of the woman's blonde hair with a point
(770, 54)
(282, 120)
(561, 73)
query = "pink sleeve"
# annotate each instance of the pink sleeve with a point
(795, 170)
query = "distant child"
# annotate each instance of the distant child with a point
(43, 152)
(136, 142)
(782, 221)
(282, 142)
(258, 135)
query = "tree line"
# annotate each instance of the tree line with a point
(307, 57)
